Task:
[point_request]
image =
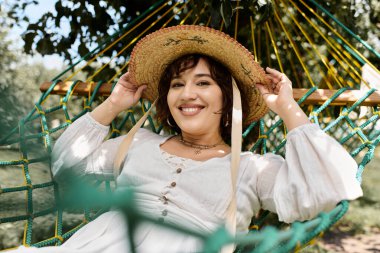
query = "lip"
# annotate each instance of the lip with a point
(190, 109)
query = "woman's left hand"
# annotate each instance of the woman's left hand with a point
(279, 93)
(279, 98)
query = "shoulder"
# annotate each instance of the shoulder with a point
(145, 135)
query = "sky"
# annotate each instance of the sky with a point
(34, 12)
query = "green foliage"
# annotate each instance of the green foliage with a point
(6, 59)
(89, 23)
(20, 93)
(19, 82)
(75, 28)
(262, 9)
(361, 17)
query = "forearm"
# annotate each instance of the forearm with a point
(105, 113)
(292, 115)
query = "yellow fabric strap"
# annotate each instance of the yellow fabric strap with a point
(124, 146)
(236, 138)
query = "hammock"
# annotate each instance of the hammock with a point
(327, 89)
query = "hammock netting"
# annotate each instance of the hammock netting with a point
(282, 39)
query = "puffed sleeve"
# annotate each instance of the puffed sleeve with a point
(316, 174)
(81, 150)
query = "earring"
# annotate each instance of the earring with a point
(227, 123)
(168, 121)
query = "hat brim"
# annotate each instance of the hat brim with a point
(156, 51)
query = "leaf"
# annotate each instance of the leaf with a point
(266, 13)
(45, 46)
(249, 5)
(215, 18)
(226, 12)
(32, 27)
(29, 40)
(208, 2)
(58, 7)
(82, 49)
(13, 15)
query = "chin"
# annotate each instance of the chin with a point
(192, 129)
(197, 128)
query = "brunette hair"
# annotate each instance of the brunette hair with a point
(219, 73)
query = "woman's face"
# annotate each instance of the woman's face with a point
(195, 100)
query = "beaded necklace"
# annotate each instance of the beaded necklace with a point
(198, 147)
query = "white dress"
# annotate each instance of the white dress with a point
(315, 175)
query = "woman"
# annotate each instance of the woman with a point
(186, 178)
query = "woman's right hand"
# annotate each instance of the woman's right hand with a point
(125, 93)
(123, 96)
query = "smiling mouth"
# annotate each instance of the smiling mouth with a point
(190, 110)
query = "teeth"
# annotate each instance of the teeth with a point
(189, 109)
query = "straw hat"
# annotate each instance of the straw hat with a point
(156, 51)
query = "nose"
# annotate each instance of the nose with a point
(188, 92)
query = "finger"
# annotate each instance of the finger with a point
(272, 78)
(272, 84)
(273, 81)
(125, 76)
(284, 78)
(140, 91)
(285, 81)
(276, 76)
(126, 81)
(127, 84)
(273, 71)
(277, 89)
(262, 88)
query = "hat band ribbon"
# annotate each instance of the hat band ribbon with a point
(124, 145)
(236, 140)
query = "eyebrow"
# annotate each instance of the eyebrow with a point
(196, 75)
(202, 75)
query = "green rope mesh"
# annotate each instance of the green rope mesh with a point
(45, 205)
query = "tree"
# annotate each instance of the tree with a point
(19, 81)
(91, 23)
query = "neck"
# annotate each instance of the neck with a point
(205, 139)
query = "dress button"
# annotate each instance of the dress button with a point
(179, 170)
(165, 199)
(165, 212)
(173, 184)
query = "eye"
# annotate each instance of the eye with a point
(176, 85)
(203, 83)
